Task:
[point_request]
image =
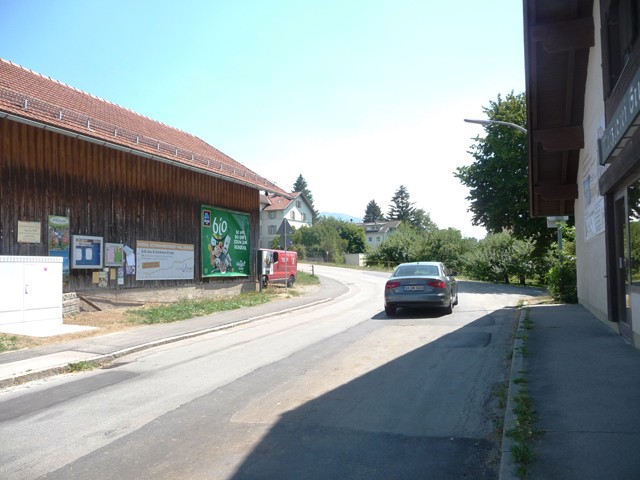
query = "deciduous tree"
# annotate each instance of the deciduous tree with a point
(498, 179)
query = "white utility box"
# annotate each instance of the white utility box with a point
(30, 289)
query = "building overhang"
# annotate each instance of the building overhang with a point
(558, 36)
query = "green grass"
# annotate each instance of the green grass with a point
(81, 366)
(185, 309)
(306, 279)
(524, 432)
(8, 343)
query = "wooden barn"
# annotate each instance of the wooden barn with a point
(125, 200)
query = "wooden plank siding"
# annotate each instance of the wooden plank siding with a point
(108, 193)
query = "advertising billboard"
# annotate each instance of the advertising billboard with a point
(224, 242)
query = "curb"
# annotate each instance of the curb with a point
(101, 360)
(507, 465)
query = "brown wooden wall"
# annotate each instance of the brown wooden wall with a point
(106, 193)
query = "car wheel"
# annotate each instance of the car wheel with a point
(265, 281)
(449, 310)
(290, 281)
(455, 300)
(390, 310)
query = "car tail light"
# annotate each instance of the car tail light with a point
(436, 284)
(392, 284)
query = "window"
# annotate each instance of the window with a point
(633, 209)
(272, 229)
(620, 28)
(272, 215)
(292, 215)
(298, 204)
(304, 217)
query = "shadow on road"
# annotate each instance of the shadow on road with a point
(425, 414)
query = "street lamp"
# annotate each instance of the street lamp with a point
(499, 122)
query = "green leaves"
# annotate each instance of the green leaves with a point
(498, 178)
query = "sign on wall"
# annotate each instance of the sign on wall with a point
(593, 202)
(224, 242)
(28, 232)
(87, 252)
(164, 261)
(113, 254)
(59, 236)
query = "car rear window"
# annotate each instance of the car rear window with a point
(417, 270)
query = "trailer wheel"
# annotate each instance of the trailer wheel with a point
(265, 281)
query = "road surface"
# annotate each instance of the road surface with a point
(338, 390)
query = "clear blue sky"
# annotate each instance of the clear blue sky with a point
(358, 96)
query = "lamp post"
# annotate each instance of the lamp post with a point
(499, 122)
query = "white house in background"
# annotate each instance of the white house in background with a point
(378, 232)
(275, 208)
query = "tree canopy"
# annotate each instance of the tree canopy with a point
(498, 178)
(373, 213)
(402, 209)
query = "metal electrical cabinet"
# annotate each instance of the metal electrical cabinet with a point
(30, 289)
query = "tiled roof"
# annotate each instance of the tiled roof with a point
(276, 202)
(32, 97)
(380, 227)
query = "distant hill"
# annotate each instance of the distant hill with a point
(341, 216)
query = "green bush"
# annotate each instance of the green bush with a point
(562, 280)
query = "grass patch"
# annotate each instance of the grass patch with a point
(8, 343)
(81, 366)
(501, 392)
(524, 432)
(188, 308)
(185, 309)
(306, 279)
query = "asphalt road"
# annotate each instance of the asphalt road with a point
(338, 390)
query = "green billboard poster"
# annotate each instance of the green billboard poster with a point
(224, 242)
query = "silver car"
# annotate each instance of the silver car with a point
(421, 284)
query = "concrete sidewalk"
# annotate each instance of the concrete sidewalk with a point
(584, 380)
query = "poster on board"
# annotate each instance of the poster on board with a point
(87, 252)
(113, 254)
(164, 260)
(59, 235)
(224, 242)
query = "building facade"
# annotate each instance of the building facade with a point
(125, 200)
(275, 209)
(583, 101)
(377, 232)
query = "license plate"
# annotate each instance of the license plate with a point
(414, 288)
